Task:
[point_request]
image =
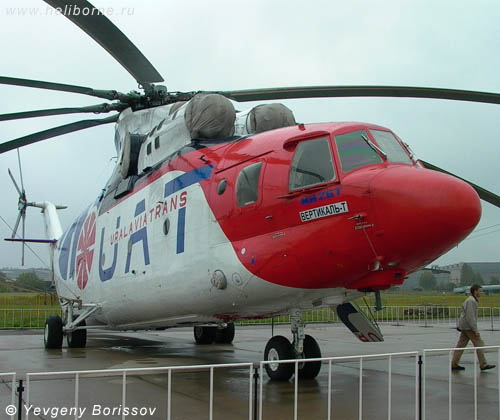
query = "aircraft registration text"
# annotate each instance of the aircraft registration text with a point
(324, 211)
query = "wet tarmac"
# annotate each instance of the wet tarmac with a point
(22, 352)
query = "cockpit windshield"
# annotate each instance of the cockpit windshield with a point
(355, 151)
(390, 145)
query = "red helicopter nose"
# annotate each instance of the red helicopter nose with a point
(421, 214)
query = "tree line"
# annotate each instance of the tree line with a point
(24, 282)
(468, 277)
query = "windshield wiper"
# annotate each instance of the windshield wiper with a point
(377, 149)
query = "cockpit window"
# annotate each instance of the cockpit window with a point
(389, 144)
(354, 151)
(312, 164)
(247, 184)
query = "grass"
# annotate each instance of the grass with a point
(49, 300)
(27, 310)
(28, 300)
(429, 298)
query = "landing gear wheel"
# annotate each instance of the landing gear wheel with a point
(279, 348)
(225, 335)
(204, 335)
(77, 338)
(53, 333)
(310, 370)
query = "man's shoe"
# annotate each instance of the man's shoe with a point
(458, 367)
(488, 367)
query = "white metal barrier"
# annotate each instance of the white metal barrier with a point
(336, 360)
(12, 407)
(422, 374)
(422, 315)
(77, 375)
(449, 351)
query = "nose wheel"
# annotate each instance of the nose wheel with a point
(309, 370)
(279, 348)
(303, 347)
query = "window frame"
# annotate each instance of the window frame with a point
(398, 140)
(253, 204)
(333, 160)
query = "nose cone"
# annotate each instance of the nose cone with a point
(421, 214)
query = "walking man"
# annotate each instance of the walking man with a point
(467, 325)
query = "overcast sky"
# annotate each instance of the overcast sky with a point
(224, 45)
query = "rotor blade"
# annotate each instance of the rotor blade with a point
(485, 195)
(15, 183)
(23, 195)
(24, 231)
(96, 109)
(54, 132)
(103, 31)
(39, 84)
(354, 91)
(16, 225)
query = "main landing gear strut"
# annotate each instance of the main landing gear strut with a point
(303, 347)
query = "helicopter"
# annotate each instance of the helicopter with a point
(214, 215)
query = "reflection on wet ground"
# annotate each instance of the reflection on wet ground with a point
(23, 352)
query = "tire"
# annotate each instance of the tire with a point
(310, 370)
(78, 338)
(204, 335)
(53, 332)
(225, 335)
(279, 348)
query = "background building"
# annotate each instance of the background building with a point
(489, 271)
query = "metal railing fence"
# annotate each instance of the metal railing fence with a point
(363, 373)
(124, 373)
(449, 351)
(424, 315)
(25, 318)
(421, 315)
(336, 360)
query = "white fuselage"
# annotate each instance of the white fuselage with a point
(141, 277)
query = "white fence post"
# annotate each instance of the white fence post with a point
(360, 402)
(211, 416)
(124, 392)
(450, 357)
(389, 391)
(475, 384)
(498, 383)
(77, 392)
(296, 392)
(422, 397)
(169, 395)
(12, 375)
(330, 388)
